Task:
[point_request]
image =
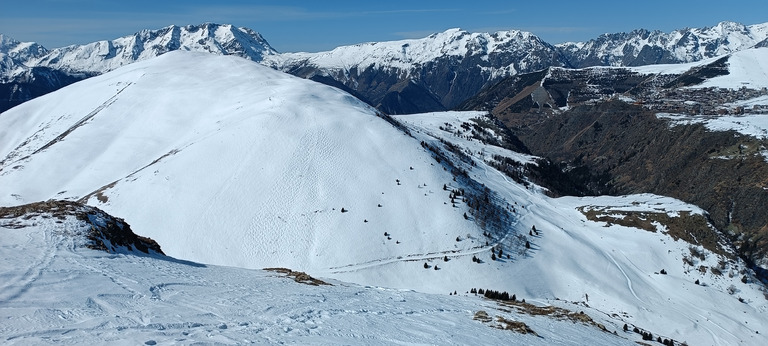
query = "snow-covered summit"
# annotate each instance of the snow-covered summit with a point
(15, 54)
(408, 54)
(642, 47)
(104, 56)
(221, 144)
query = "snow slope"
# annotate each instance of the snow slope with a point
(748, 68)
(617, 267)
(54, 291)
(223, 161)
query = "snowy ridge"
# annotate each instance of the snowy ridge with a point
(14, 54)
(406, 55)
(639, 47)
(104, 56)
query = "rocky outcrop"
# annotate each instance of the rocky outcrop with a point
(98, 230)
(722, 172)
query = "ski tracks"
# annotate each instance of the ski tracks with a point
(16, 287)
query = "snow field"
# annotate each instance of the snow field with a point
(55, 292)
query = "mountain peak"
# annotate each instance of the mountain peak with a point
(104, 56)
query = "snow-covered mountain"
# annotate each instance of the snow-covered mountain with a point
(450, 66)
(14, 55)
(27, 70)
(643, 47)
(437, 72)
(288, 164)
(224, 161)
(105, 56)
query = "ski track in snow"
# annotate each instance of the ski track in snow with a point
(629, 281)
(16, 287)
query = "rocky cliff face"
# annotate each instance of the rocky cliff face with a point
(722, 172)
(606, 119)
(644, 47)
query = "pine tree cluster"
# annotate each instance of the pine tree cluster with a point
(491, 294)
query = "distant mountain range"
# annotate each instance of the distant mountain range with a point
(434, 73)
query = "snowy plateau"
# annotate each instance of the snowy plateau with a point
(233, 167)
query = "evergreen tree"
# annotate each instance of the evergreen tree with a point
(626, 327)
(426, 265)
(493, 256)
(527, 245)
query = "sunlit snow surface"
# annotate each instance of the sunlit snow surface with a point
(226, 162)
(55, 292)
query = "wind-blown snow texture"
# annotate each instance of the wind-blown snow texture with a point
(55, 291)
(223, 161)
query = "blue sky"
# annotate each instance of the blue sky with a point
(321, 25)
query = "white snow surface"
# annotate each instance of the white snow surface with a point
(265, 159)
(103, 56)
(686, 45)
(54, 291)
(408, 54)
(748, 68)
(755, 125)
(226, 162)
